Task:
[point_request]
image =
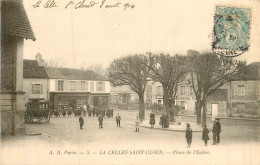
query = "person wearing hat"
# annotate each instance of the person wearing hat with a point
(70, 112)
(100, 120)
(205, 134)
(218, 129)
(118, 119)
(137, 122)
(81, 122)
(214, 131)
(188, 135)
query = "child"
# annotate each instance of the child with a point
(81, 121)
(100, 120)
(118, 118)
(137, 122)
(188, 135)
(152, 119)
(205, 134)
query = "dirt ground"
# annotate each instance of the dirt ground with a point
(62, 142)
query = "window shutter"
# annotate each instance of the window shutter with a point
(67, 88)
(76, 85)
(103, 86)
(41, 89)
(235, 89)
(56, 85)
(246, 89)
(86, 87)
(96, 86)
(32, 88)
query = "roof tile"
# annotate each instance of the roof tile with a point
(14, 19)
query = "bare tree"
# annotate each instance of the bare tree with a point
(98, 68)
(167, 70)
(133, 71)
(55, 63)
(208, 73)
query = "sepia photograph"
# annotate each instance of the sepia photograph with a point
(132, 82)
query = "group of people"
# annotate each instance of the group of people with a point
(95, 111)
(100, 120)
(205, 133)
(163, 120)
(91, 111)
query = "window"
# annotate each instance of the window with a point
(100, 86)
(191, 90)
(240, 90)
(182, 90)
(72, 85)
(37, 89)
(159, 90)
(82, 85)
(124, 100)
(91, 86)
(60, 85)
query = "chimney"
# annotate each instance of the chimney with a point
(39, 59)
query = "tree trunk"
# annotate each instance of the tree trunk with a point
(204, 113)
(141, 107)
(198, 111)
(165, 100)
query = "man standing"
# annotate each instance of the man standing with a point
(137, 122)
(218, 129)
(100, 120)
(81, 122)
(214, 131)
(188, 135)
(118, 118)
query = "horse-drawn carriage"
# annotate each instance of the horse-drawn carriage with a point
(37, 110)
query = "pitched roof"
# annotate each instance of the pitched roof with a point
(73, 74)
(14, 19)
(252, 71)
(31, 69)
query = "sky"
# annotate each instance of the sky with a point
(87, 36)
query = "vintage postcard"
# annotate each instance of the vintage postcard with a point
(130, 82)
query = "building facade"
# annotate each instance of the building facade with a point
(245, 93)
(35, 82)
(239, 97)
(15, 27)
(64, 87)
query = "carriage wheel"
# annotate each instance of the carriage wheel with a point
(28, 117)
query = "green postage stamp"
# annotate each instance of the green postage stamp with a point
(231, 30)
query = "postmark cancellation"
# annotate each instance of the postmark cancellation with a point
(231, 30)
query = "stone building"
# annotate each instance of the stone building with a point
(35, 82)
(15, 27)
(64, 87)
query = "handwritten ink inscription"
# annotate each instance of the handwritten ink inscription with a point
(84, 4)
(48, 4)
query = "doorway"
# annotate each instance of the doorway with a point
(214, 110)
